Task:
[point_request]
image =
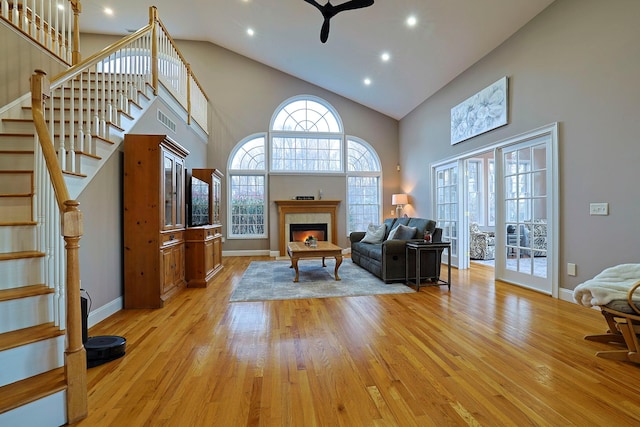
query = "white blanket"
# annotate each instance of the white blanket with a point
(613, 283)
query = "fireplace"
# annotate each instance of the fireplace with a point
(300, 232)
(306, 212)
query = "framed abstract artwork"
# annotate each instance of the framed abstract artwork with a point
(484, 111)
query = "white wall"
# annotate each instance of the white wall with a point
(577, 63)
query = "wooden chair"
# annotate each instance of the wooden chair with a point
(623, 319)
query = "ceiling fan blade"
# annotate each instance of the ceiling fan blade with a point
(324, 32)
(353, 4)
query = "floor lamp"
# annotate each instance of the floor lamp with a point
(399, 200)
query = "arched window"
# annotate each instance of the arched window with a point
(364, 181)
(247, 184)
(306, 136)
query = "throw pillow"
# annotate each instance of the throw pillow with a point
(374, 234)
(402, 232)
(392, 233)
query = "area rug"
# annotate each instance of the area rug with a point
(273, 280)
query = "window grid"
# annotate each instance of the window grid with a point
(248, 205)
(303, 154)
(364, 201)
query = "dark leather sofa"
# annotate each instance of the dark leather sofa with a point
(387, 260)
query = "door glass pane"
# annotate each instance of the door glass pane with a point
(178, 201)
(168, 190)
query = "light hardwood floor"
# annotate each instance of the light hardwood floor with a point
(486, 353)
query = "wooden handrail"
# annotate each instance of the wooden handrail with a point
(39, 94)
(97, 57)
(72, 230)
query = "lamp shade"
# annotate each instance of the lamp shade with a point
(399, 199)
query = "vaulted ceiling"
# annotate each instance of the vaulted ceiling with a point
(448, 37)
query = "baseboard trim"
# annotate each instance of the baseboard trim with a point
(566, 295)
(109, 309)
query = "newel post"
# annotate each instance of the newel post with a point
(189, 73)
(75, 354)
(75, 53)
(153, 21)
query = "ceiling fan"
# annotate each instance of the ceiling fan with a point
(329, 11)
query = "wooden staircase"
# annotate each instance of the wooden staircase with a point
(32, 333)
(47, 157)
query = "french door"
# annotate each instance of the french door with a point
(447, 198)
(526, 193)
(524, 171)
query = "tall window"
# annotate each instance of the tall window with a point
(306, 137)
(475, 186)
(247, 184)
(363, 185)
(491, 189)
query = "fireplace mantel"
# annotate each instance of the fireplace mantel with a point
(286, 207)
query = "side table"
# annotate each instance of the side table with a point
(416, 249)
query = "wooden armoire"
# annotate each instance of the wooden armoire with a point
(154, 220)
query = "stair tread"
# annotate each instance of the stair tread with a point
(31, 389)
(20, 255)
(29, 335)
(24, 292)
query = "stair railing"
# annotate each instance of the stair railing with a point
(67, 219)
(110, 81)
(82, 102)
(47, 22)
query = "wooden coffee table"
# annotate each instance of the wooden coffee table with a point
(298, 250)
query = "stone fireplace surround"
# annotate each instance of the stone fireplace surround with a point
(306, 211)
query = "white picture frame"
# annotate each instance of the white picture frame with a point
(480, 113)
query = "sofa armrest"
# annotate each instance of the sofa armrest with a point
(394, 247)
(356, 236)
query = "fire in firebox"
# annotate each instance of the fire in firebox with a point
(301, 232)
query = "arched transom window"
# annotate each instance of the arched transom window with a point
(306, 136)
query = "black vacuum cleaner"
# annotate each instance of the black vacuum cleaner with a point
(100, 349)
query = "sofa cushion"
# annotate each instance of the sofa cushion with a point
(402, 232)
(375, 233)
(389, 222)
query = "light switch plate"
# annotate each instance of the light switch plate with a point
(571, 269)
(599, 209)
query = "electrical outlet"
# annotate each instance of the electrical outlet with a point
(599, 209)
(571, 269)
(392, 212)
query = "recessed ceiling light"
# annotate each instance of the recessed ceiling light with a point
(250, 32)
(367, 81)
(412, 21)
(108, 11)
(385, 56)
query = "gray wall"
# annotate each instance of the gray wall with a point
(20, 57)
(577, 63)
(243, 95)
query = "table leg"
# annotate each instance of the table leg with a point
(449, 268)
(323, 264)
(338, 262)
(294, 263)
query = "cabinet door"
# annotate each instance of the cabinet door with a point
(217, 252)
(208, 257)
(168, 189)
(168, 268)
(179, 192)
(178, 259)
(216, 195)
